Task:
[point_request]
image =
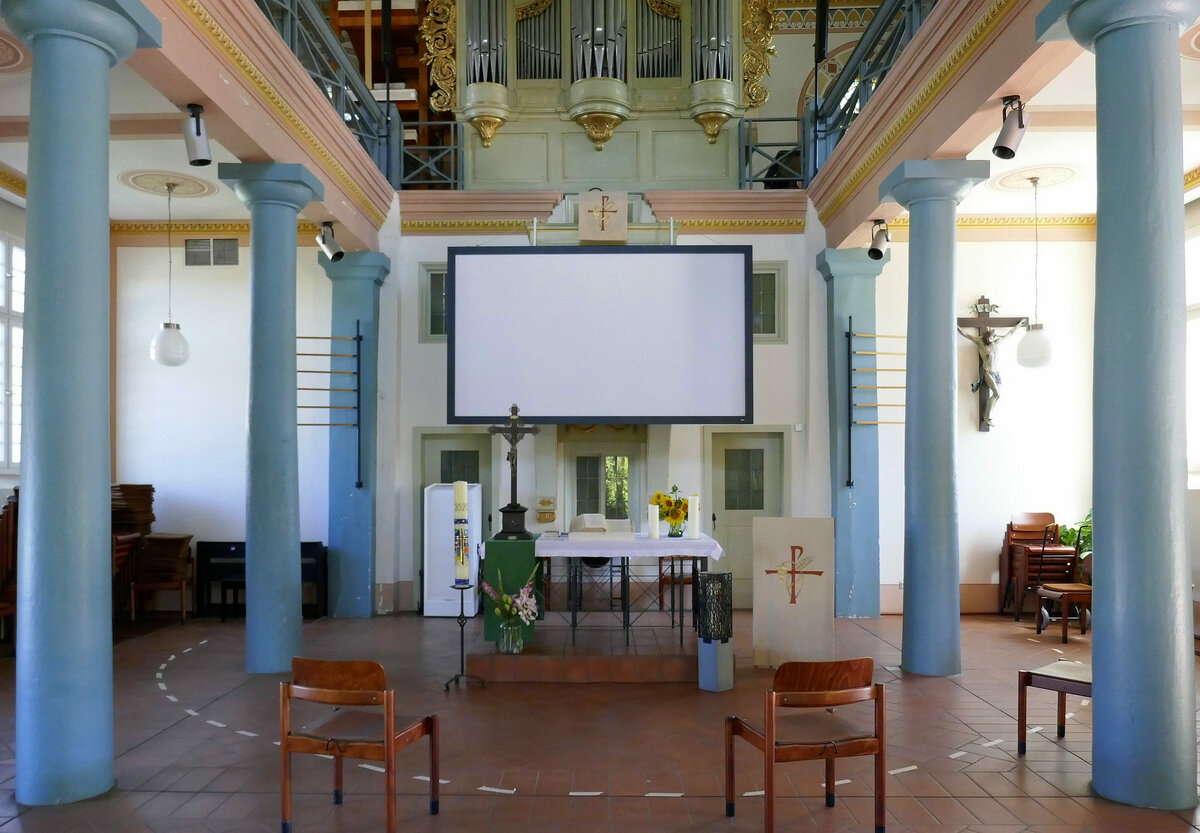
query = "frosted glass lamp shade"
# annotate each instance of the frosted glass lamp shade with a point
(1034, 349)
(169, 347)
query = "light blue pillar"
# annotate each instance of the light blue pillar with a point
(1144, 727)
(275, 193)
(352, 484)
(64, 698)
(931, 191)
(854, 449)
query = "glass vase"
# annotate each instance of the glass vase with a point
(510, 641)
(676, 530)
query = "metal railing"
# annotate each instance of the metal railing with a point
(434, 158)
(793, 164)
(306, 32)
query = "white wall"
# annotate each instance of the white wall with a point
(183, 429)
(1037, 457)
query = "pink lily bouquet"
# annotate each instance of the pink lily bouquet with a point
(512, 607)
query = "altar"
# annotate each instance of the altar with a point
(620, 551)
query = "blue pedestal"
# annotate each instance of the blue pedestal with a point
(716, 664)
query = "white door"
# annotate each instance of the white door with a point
(746, 483)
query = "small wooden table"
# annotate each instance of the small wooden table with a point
(1065, 677)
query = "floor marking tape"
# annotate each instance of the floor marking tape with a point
(158, 675)
(838, 783)
(161, 667)
(1058, 650)
(373, 768)
(1084, 701)
(216, 723)
(162, 686)
(1036, 729)
(901, 769)
(192, 712)
(426, 778)
(753, 793)
(993, 742)
(664, 795)
(584, 793)
(186, 650)
(247, 734)
(495, 790)
(203, 641)
(1070, 715)
(171, 658)
(957, 754)
(172, 698)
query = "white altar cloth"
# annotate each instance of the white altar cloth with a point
(561, 546)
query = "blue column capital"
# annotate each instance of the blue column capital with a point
(117, 26)
(919, 180)
(1085, 21)
(849, 263)
(272, 182)
(357, 266)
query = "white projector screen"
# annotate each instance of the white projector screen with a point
(598, 334)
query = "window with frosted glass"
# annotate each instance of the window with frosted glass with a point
(744, 479)
(459, 465)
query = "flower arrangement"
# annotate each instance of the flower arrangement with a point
(672, 508)
(509, 607)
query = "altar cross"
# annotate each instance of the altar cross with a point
(790, 572)
(513, 431)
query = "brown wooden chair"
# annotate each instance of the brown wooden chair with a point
(1025, 531)
(372, 731)
(817, 732)
(165, 563)
(1067, 594)
(124, 554)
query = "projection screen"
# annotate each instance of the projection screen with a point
(592, 334)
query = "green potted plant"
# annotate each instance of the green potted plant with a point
(1079, 536)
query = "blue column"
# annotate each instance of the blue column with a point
(64, 703)
(850, 292)
(275, 193)
(931, 191)
(1144, 731)
(352, 483)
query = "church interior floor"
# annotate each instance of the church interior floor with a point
(195, 743)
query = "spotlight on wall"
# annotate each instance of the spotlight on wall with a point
(880, 237)
(195, 136)
(328, 245)
(1012, 128)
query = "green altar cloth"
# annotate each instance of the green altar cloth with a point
(513, 561)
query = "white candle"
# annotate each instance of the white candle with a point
(652, 521)
(462, 558)
(693, 527)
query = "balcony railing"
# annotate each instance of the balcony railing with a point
(379, 130)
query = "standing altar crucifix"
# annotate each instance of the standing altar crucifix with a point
(512, 523)
(988, 383)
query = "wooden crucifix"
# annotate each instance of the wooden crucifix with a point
(513, 516)
(988, 382)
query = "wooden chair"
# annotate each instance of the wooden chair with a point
(1066, 594)
(1026, 530)
(358, 733)
(124, 554)
(165, 563)
(817, 733)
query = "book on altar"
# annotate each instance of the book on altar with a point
(595, 527)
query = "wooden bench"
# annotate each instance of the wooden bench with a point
(1065, 677)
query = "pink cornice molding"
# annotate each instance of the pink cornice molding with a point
(480, 206)
(782, 204)
(939, 101)
(263, 107)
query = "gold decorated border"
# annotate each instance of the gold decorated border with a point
(463, 226)
(983, 221)
(1191, 179)
(522, 226)
(948, 69)
(662, 7)
(225, 228)
(221, 39)
(13, 183)
(532, 9)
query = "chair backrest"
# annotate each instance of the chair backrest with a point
(832, 675)
(344, 682)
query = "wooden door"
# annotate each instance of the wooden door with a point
(746, 483)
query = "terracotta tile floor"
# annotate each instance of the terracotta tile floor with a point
(579, 757)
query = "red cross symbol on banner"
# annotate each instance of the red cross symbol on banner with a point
(790, 572)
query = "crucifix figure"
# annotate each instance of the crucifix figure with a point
(513, 515)
(792, 573)
(988, 382)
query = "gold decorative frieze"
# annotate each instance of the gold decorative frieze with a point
(849, 16)
(532, 9)
(12, 182)
(760, 21)
(463, 226)
(438, 28)
(662, 7)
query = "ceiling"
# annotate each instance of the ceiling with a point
(1059, 144)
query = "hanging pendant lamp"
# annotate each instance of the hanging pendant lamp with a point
(169, 347)
(1034, 349)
